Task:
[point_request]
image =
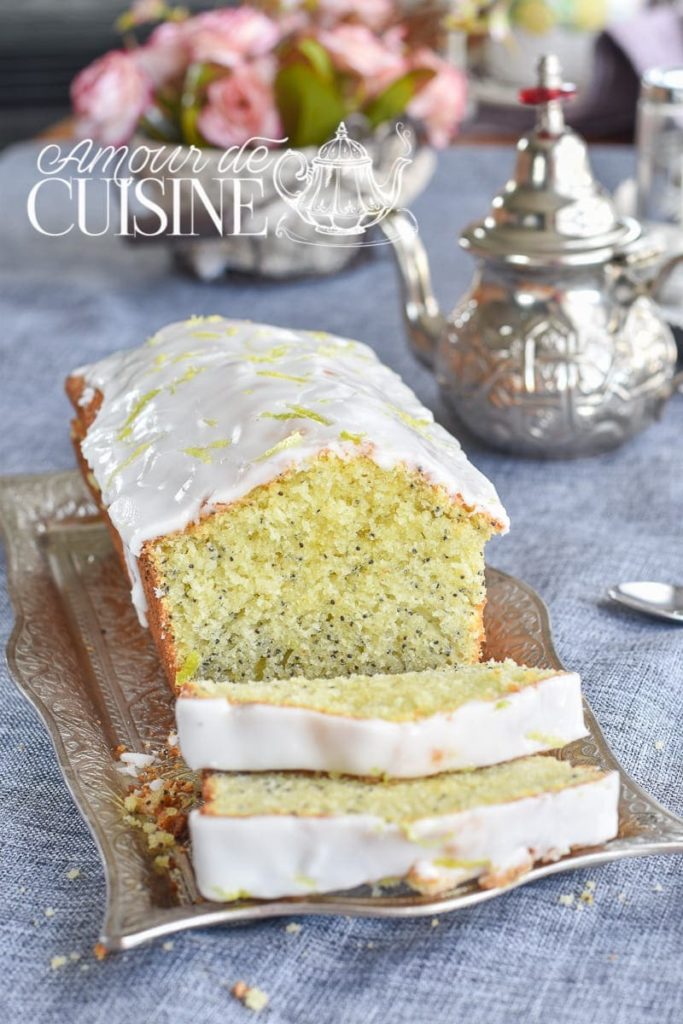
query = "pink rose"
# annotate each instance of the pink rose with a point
(373, 13)
(355, 48)
(229, 37)
(166, 54)
(225, 37)
(440, 104)
(241, 106)
(109, 96)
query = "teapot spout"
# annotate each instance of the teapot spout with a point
(390, 190)
(424, 320)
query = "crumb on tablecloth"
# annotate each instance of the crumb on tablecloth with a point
(252, 997)
(59, 961)
(579, 900)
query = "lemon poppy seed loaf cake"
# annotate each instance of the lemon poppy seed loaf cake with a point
(275, 834)
(284, 504)
(402, 726)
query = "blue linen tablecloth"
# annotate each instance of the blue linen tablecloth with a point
(577, 527)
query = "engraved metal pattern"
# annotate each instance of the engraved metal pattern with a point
(550, 368)
(80, 657)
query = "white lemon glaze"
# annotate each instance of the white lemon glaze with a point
(267, 857)
(215, 734)
(210, 408)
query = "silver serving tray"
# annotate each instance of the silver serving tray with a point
(79, 655)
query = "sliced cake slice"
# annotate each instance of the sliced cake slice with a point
(292, 834)
(413, 724)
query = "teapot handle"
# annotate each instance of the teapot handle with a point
(663, 273)
(424, 320)
(642, 255)
(303, 174)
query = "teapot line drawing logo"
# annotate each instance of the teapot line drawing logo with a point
(340, 198)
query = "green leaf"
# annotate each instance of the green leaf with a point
(396, 97)
(310, 107)
(318, 58)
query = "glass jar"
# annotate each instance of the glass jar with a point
(659, 140)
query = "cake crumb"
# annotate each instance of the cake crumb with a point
(251, 997)
(435, 922)
(73, 874)
(57, 962)
(659, 745)
(167, 946)
(658, 887)
(579, 900)
(74, 956)
(99, 951)
(49, 911)
(157, 803)
(371, 945)
(133, 763)
(293, 928)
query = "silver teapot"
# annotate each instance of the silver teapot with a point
(558, 348)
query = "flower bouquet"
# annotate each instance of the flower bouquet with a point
(283, 74)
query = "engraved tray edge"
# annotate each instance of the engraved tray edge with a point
(27, 505)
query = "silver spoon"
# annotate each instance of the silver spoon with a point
(662, 600)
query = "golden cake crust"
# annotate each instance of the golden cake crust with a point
(156, 615)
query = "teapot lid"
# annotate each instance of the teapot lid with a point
(552, 212)
(342, 149)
